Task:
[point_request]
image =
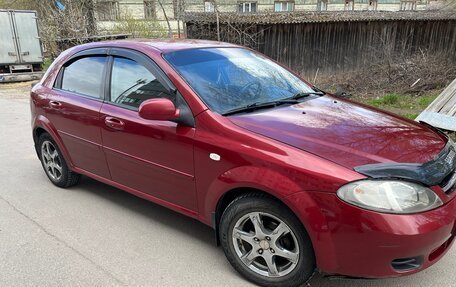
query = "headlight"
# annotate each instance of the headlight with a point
(389, 196)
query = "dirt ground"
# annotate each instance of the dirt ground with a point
(19, 90)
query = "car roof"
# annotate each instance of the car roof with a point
(162, 45)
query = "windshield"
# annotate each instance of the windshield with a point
(230, 78)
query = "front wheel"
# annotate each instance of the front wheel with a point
(265, 242)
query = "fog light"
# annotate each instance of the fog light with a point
(407, 264)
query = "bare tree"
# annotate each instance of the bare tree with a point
(74, 24)
(217, 15)
(170, 31)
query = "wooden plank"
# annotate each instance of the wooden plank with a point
(442, 121)
(441, 112)
(445, 102)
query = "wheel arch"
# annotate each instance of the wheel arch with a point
(42, 125)
(37, 132)
(234, 193)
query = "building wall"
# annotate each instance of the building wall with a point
(135, 8)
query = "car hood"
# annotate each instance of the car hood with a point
(344, 132)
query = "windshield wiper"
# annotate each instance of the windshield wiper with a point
(259, 105)
(300, 95)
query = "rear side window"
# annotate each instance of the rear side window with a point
(85, 76)
(132, 84)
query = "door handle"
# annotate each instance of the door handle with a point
(114, 123)
(55, 104)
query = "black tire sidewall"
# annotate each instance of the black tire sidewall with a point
(238, 208)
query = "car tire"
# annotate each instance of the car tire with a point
(252, 222)
(54, 164)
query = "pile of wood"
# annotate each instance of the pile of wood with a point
(441, 113)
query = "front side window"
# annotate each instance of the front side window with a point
(372, 5)
(84, 76)
(209, 6)
(178, 8)
(149, 10)
(322, 5)
(229, 78)
(107, 10)
(247, 7)
(349, 5)
(132, 84)
(283, 6)
(408, 5)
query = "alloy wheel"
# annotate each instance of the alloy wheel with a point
(51, 160)
(265, 244)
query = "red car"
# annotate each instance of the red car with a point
(292, 179)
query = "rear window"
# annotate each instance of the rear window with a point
(85, 76)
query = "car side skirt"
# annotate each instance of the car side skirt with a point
(138, 193)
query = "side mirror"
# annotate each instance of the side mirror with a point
(159, 109)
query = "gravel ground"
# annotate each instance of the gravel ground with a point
(96, 235)
(15, 90)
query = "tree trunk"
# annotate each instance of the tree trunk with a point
(170, 31)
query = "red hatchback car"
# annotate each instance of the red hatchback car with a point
(292, 179)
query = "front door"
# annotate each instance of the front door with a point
(152, 157)
(73, 107)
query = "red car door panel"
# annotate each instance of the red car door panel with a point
(76, 117)
(154, 157)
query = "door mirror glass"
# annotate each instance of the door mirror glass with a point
(160, 109)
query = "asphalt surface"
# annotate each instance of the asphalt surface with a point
(94, 234)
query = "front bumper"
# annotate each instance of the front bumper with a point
(354, 242)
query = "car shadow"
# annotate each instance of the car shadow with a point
(150, 210)
(206, 236)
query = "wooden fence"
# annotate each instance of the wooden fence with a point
(332, 44)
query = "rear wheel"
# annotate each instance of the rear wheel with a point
(54, 164)
(265, 242)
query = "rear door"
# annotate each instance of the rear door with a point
(28, 41)
(8, 52)
(73, 107)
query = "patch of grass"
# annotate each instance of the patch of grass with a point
(46, 63)
(452, 135)
(411, 116)
(386, 100)
(408, 106)
(426, 101)
(402, 101)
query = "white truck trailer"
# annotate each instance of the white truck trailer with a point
(21, 53)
